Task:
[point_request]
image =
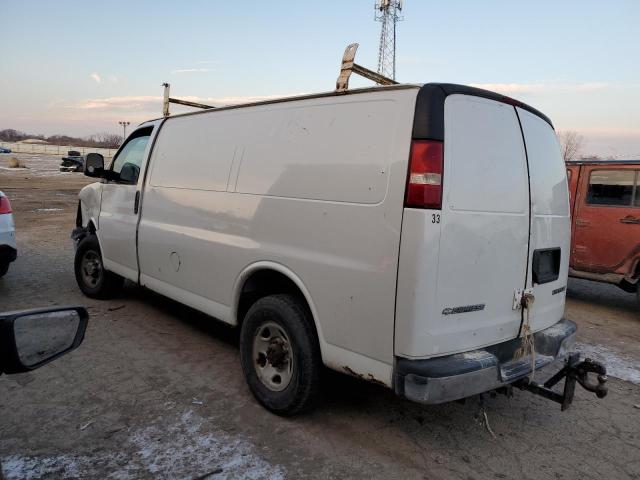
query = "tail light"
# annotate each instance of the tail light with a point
(5, 205)
(424, 183)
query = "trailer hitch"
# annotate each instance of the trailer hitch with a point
(573, 371)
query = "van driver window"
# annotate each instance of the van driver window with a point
(132, 153)
(611, 187)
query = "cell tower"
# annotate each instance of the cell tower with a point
(388, 12)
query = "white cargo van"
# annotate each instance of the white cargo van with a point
(399, 234)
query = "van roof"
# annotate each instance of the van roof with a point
(294, 98)
(429, 105)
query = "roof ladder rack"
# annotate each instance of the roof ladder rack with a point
(167, 100)
(348, 67)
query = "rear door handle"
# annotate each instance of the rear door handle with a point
(136, 203)
(581, 223)
(630, 219)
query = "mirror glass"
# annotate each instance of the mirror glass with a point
(129, 173)
(41, 336)
(94, 164)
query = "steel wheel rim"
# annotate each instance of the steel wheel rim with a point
(91, 268)
(272, 356)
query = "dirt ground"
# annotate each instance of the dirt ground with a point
(156, 390)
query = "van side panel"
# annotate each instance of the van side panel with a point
(320, 188)
(458, 270)
(550, 220)
(303, 162)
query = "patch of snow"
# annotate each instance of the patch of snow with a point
(48, 209)
(618, 365)
(15, 169)
(556, 330)
(180, 450)
(476, 355)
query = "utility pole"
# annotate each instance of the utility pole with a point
(124, 130)
(388, 13)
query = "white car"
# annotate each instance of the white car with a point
(8, 251)
(399, 234)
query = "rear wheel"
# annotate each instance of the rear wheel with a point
(92, 278)
(280, 354)
(4, 268)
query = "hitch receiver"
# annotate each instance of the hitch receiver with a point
(573, 370)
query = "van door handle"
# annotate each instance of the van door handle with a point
(581, 223)
(630, 219)
(136, 202)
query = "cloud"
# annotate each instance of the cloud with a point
(152, 103)
(536, 88)
(95, 77)
(140, 102)
(113, 79)
(191, 70)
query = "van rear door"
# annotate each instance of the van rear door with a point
(462, 297)
(550, 222)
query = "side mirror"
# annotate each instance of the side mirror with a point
(32, 338)
(94, 165)
(129, 173)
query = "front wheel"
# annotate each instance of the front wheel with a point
(4, 268)
(92, 278)
(280, 354)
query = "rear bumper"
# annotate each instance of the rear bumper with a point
(452, 377)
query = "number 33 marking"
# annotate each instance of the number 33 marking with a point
(435, 218)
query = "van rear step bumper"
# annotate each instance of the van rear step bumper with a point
(453, 377)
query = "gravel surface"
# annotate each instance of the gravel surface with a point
(156, 390)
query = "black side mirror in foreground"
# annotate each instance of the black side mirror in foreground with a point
(94, 165)
(32, 338)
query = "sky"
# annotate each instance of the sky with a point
(79, 67)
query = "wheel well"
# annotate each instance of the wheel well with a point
(263, 283)
(91, 228)
(631, 284)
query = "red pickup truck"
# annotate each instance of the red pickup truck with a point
(605, 228)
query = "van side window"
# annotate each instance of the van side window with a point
(129, 159)
(611, 187)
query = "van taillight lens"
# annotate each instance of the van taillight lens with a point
(5, 205)
(424, 184)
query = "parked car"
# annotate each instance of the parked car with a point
(8, 249)
(73, 162)
(5, 150)
(396, 233)
(605, 207)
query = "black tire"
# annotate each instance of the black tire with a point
(94, 280)
(294, 319)
(4, 268)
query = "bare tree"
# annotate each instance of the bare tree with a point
(570, 143)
